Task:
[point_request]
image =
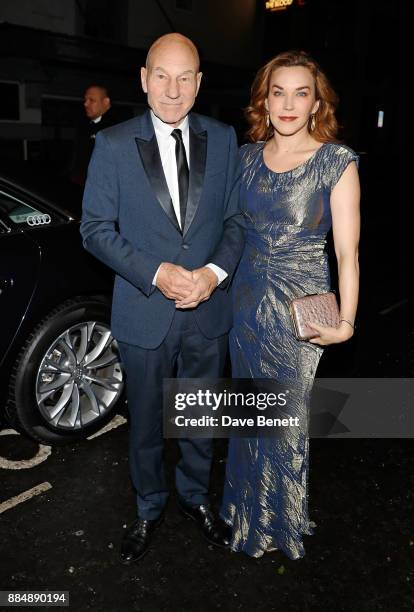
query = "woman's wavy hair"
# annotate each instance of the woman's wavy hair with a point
(325, 126)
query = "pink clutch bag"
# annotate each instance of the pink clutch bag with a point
(321, 309)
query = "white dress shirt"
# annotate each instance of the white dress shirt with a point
(166, 146)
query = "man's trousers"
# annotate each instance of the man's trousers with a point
(189, 354)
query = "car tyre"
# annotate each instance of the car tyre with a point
(26, 409)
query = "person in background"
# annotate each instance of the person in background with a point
(98, 116)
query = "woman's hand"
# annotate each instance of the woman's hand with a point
(331, 335)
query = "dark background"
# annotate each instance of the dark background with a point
(362, 45)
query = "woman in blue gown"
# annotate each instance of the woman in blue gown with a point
(297, 183)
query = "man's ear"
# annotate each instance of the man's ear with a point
(198, 77)
(144, 74)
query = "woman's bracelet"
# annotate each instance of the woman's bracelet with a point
(346, 321)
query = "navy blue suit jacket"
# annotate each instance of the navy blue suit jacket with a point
(128, 222)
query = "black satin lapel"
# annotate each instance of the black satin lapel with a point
(151, 160)
(198, 155)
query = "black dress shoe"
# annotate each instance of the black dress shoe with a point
(137, 538)
(213, 528)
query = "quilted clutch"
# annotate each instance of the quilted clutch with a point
(320, 308)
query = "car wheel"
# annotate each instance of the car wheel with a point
(68, 376)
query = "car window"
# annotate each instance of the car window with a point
(21, 213)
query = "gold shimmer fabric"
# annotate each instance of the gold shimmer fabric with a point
(287, 217)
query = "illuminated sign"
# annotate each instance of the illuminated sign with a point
(278, 5)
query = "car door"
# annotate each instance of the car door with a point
(19, 264)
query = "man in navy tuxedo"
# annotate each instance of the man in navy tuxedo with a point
(161, 208)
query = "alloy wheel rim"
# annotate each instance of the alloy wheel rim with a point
(80, 377)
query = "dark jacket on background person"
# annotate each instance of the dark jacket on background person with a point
(84, 144)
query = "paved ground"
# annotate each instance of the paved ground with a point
(360, 558)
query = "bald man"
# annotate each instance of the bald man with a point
(161, 208)
(98, 116)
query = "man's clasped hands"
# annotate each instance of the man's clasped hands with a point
(187, 288)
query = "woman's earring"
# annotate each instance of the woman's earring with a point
(267, 120)
(313, 122)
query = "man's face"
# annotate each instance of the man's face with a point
(96, 103)
(171, 81)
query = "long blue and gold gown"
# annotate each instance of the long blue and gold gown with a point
(287, 217)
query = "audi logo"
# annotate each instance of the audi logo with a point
(38, 220)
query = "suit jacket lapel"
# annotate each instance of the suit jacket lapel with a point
(198, 156)
(151, 160)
